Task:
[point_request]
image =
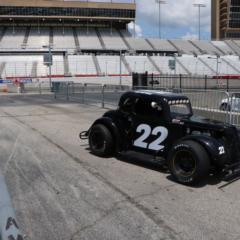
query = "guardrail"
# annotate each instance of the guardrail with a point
(8, 224)
(214, 104)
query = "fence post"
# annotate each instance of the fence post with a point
(67, 92)
(205, 84)
(103, 95)
(180, 81)
(40, 88)
(55, 90)
(83, 92)
(227, 84)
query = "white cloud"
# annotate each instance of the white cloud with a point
(138, 29)
(189, 36)
(175, 14)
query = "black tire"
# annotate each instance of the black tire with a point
(101, 141)
(225, 107)
(188, 162)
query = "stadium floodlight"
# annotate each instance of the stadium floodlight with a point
(160, 2)
(199, 6)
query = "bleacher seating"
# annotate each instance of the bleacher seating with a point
(162, 45)
(185, 47)
(13, 38)
(223, 47)
(140, 64)
(63, 38)
(112, 39)
(194, 66)
(81, 64)
(136, 43)
(162, 63)
(207, 47)
(88, 39)
(111, 65)
(223, 68)
(234, 61)
(38, 38)
(233, 46)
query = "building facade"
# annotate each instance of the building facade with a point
(225, 19)
(71, 12)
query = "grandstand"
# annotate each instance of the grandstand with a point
(92, 39)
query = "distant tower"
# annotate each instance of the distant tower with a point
(225, 19)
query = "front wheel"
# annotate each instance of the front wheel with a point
(101, 141)
(188, 162)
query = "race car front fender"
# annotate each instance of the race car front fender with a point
(113, 128)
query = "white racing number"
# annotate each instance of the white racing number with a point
(221, 150)
(146, 131)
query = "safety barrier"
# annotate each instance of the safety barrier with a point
(214, 104)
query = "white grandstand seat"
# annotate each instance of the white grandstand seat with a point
(81, 64)
(224, 47)
(136, 43)
(162, 45)
(207, 47)
(194, 66)
(140, 64)
(162, 63)
(38, 39)
(63, 38)
(234, 61)
(233, 46)
(185, 47)
(17, 66)
(13, 38)
(112, 39)
(223, 67)
(88, 40)
(111, 65)
(58, 65)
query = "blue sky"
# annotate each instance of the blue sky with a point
(179, 19)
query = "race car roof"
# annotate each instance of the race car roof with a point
(161, 94)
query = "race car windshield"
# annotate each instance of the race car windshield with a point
(182, 109)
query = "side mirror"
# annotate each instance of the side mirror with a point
(155, 105)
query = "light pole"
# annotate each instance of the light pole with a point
(159, 2)
(120, 67)
(199, 6)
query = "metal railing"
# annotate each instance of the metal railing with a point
(214, 104)
(203, 82)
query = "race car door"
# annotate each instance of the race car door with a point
(150, 132)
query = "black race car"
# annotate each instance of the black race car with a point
(162, 124)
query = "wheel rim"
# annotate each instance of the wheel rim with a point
(97, 140)
(184, 163)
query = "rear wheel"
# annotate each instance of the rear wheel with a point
(101, 141)
(188, 162)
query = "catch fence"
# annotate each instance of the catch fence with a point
(218, 105)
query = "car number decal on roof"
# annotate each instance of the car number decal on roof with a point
(146, 131)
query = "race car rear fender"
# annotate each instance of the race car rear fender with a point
(111, 125)
(216, 149)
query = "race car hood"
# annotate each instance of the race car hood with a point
(202, 122)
